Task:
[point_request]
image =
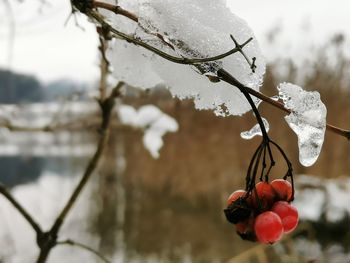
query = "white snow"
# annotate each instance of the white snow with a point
(132, 67)
(316, 197)
(196, 29)
(307, 120)
(247, 135)
(152, 120)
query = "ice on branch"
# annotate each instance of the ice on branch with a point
(307, 120)
(153, 121)
(191, 29)
(247, 135)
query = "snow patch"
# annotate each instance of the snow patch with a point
(153, 121)
(317, 197)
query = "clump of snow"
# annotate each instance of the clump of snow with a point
(310, 203)
(307, 120)
(132, 67)
(247, 135)
(317, 197)
(196, 29)
(153, 121)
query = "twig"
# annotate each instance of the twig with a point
(49, 239)
(192, 61)
(84, 247)
(343, 132)
(115, 9)
(240, 49)
(178, 60)
(104, 63)
(45, 128)
(20, 209)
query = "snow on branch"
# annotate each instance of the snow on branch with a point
(188, 29)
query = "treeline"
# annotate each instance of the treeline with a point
(22, 88)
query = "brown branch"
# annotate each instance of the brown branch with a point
(192, 61)
(115, 9)
(85, 247)
(179, 60)
(279, 105)
(104, 66)
(343, 132)
(106, 107)
(49, 239)
(74, 124)
(20, 209)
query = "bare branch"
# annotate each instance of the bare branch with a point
(279, 105)
(20, 209)
(179, 60)
(106, 110)
(104, 66)
(193, 61)
(84, 247)
(115, 9)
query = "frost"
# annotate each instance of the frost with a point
(196, 29)
(153, 121)
(307, 120)
(247, 135)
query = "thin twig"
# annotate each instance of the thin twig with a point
(74, 124)
(115, 9)
(343, 132)
(138, 42)
(20, 209)
(104, 66)
(192, 61)
(84, 247)
(49, 239)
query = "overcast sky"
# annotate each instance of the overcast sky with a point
(43, 46)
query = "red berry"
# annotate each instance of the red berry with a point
(283, 189)
(235, 195)
(268, 227)
(263, 196)
(245, 229)
(288, 214)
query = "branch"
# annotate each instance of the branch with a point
(340, 131)
(106, 107)
(84, 247)
(20, 209)
(115, 9)
(48, 241)
(193, 61)
(77, 123)
(104, 66)
(179, 60)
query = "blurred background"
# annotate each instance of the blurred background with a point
(140, 209)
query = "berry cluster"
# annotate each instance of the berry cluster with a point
(264, 213)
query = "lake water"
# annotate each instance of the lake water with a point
(132, 210)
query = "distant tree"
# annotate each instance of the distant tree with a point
(19, 88)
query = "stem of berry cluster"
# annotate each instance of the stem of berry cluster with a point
(264, 148)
